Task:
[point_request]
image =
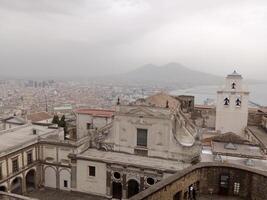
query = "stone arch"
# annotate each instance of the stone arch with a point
(3, 188)
(133, 188)
(16, 185)
(50, 177)
(133, 177)
(30, 180)
(64, 179)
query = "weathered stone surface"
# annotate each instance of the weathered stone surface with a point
(206, 177)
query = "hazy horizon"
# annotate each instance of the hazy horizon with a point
(82, 38)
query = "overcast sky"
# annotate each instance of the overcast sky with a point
(92, 37)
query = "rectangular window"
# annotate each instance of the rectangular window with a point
(236, 188)
(224, 183)
(29, 157)
(65, 183)
(91, 171)
(142, 137)
(15, 165)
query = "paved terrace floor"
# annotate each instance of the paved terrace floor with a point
(215, 197)
(49, 194)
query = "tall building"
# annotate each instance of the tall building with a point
(232, 105)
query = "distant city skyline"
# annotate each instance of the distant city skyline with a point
(65, 38)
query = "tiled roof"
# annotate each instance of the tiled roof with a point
(40, 116)
(96, 112)
(160, 100)
(264, 110)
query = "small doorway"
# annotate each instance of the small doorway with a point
(30, 180)
(116, 190)
(16, 186)
(133, 188)
(178, 196)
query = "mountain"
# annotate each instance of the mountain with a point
(169, 75)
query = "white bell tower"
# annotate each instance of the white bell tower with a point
(232, 105)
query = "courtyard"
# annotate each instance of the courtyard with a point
(51, 194)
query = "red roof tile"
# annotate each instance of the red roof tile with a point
(96, 112)
(40, 116)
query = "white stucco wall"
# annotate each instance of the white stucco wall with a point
(83, 119)
(88, 184)
(50, 177)
(64, 175)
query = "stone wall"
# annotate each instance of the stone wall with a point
(206, 178)
(255, 118)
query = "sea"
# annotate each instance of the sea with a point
(207, 94)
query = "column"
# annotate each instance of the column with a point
(23, 184)
(142, 183)
(108, 183)
(74, 177)
(57, 178)
(124, 186)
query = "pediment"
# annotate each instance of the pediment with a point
(140, 111)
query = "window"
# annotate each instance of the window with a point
(15, 165)
(224, 181)
(238, 102)
(29, 157)
(226, 101)
(142, 137)
(236, 188)
(233, 85)
(65, 183)
(89, 126)
(91, 171)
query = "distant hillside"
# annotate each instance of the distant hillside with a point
(170, 75)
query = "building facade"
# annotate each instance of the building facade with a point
(232, 105)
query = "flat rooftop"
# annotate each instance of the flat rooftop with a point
(259, 133)
(257, 163)
(96, 112)
(132, 160)
(18, 137)
(241, 150)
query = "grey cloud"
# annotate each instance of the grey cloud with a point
(92, 37)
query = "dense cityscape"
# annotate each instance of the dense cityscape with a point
(133, 100)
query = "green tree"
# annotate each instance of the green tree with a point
(55, 120)
(62, 122)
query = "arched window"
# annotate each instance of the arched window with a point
(238, 102)
(233, 85)
(226, 101)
